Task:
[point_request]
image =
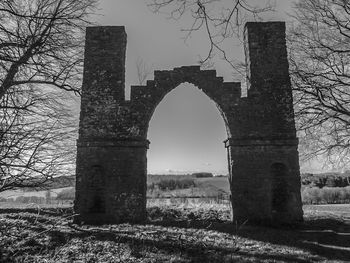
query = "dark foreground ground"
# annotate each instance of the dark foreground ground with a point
(177, 234)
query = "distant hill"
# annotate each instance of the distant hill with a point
(54, 183)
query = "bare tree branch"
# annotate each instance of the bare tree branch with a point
(320, 58)
(220, 20)
(41, 52)
(41, 41)
(143, 71)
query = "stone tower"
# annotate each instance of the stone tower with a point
(111, 165)
(264, 169)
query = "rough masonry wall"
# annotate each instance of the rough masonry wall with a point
(103, 82)
(268, 109)
(144, 99)
(262, 143)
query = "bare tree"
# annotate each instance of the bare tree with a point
(143, 70)
(41, 42)
(41, 55)
(320, 58)
(220, 20)
(37, 132)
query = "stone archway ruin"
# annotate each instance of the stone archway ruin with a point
(113, 131)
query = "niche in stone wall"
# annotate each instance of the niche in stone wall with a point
(279, 175)
(96, 185)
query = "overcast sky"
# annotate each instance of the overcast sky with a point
(186, 131)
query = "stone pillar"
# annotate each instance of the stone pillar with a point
(260, 193)
(111, 162)
(263, 155)
(111, 181)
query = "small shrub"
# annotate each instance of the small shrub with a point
(203, 175)
(30, 199)
(66, 194)
(172, 184)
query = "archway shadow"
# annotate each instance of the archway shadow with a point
(328, 237)
(328, 244)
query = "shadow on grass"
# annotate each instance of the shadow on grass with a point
(329, 238)
(195, 252)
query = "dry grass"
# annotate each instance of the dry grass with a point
(187, 233)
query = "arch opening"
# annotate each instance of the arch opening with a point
(186, 134)
(187, 123)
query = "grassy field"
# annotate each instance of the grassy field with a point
(16, 193)
(189, 233)
(203, 187)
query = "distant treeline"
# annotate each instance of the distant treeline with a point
(326, 195)
(326, 180)
(151, 178)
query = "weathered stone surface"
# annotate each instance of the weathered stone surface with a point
(262, 144)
